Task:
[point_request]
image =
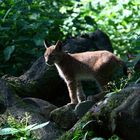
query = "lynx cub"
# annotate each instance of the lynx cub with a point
(73, 68)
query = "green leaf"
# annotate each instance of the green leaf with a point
(127, 13)
(7, 131)
(137, 81)
(98, 138)
(29, 127)
(29, 1)
(137, 1)
(8, 52)
(85, 136)
(38, 41)
(39, 126)
(8, 11)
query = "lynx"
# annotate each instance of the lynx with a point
(98, 66)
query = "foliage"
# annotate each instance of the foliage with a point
(81, 135)
(114, 137)
(14, 129)
(135, 77)
(117, 85)
(119, 19)
(25, 24)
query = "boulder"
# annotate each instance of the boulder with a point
(126, 117)
(40, 106)
(97, 40)
(7, 96)
(64, 117)
(37, 83)
(137, 66)
(117, 114)
(33, 109)
(83, 108)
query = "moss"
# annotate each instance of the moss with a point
(15, 85)
(87, 117)
(115, 100)
(77, 130)
(21, 88)
(66, 136)
(3, 119)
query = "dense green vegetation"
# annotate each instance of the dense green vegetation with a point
(15, 129)
(25, 24)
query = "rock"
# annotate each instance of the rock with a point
(42, 107)
(117, 114)
(51, 132)
(32, 108)
(102, 41)
(2, 108)
(137, 66)
(64, 117)
(7, 97)
(37, 83)
(126, 117)
(97, 40)
(83, 108)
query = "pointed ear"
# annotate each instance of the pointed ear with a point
(46, 44)
(58, 45)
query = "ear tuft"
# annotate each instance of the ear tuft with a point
(58, 45)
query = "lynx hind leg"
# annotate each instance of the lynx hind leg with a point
(72, 92)
(100, 95)
(80, 93)
(97, 97)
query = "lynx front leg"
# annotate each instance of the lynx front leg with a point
(80, 93)
(72, 92)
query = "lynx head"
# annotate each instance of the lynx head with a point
(53, 53)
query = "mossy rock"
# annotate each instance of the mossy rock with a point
(105, 115)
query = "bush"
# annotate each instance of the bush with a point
(25, 24)
(15, 129)
(119, 19)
